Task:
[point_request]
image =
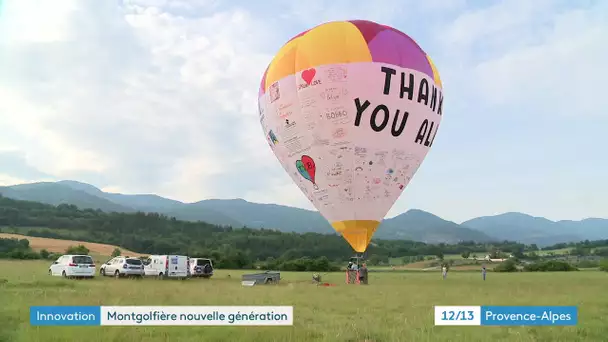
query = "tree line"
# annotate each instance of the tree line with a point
(583, 248)
(511, 265)
(228, 247)
(13, 248)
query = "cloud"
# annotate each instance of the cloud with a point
(546, 56)
(152, 99)
(159, 96)
(397, 13)
(523, 126)
(49, 19)
(13, 162)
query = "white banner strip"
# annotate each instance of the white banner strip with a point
(196, 315)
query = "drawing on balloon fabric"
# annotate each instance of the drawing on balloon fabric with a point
(273, 138)
(309, 75)
(307, 168)
(337, 74)
(260, 108)
(274, 91)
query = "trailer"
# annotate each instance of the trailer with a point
(268, 277)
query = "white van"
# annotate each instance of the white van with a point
(167, 266)
(73, 266)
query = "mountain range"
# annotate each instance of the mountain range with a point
(414, 224)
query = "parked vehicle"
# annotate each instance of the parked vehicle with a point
(201, 267)
(268, 277)
(167, 266)
(73, 266)
(122, 266)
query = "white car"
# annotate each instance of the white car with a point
(201, 267)
(73, 266)
(167, 266)
(122, 266)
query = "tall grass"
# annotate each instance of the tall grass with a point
(393, 307)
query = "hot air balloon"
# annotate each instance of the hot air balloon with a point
(351, 109)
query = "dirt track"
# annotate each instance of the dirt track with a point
(59, 246)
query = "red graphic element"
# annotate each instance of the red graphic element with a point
(309, 75)
(310, 167)
(263, 83)
(368, 29)
(326, 284)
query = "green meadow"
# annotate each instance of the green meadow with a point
(395, 306)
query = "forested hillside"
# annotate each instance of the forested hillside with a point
(415, 225)
(151, 233)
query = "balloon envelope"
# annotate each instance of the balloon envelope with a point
(350, 109)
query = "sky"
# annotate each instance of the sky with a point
(160, 96)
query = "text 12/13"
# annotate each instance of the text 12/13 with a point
(457, 315)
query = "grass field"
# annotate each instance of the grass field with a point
(395, 306)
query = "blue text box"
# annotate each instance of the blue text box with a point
(65, 315)
(529, 315)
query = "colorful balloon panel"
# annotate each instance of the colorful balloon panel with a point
(302, 170)
(310, 167)
(352, 109)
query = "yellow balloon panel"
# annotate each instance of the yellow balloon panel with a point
(358, 233)
(335, 42)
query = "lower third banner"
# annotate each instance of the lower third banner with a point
(160, 315)
(506, 315)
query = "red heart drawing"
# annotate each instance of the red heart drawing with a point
(309, 75)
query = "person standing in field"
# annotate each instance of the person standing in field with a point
(444, 270)
(363, 274)
(349, 272)
(483, 272)
(354, 272)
